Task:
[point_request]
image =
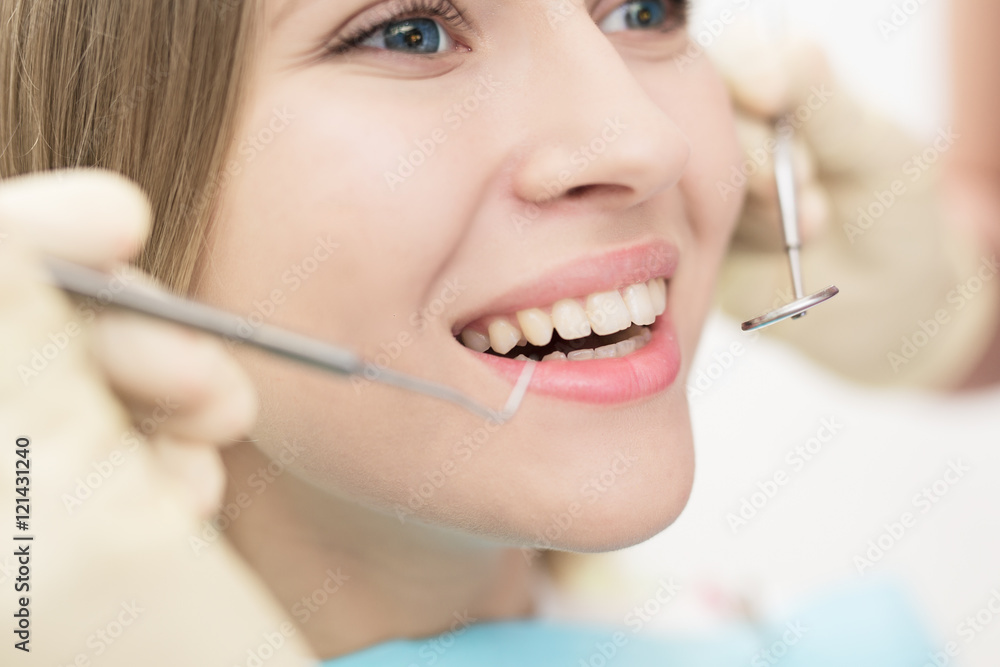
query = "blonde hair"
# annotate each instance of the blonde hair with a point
(146, 88)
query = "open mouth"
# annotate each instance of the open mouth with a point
(603, 325)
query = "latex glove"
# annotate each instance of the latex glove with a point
(895, 257)
(113, 580)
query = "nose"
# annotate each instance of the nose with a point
(590, 130)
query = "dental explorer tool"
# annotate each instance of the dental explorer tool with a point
(158, 303)
(784, 175)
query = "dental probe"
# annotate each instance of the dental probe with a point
(784, 175)
(157, 303)
(773, 19)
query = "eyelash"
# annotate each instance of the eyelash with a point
(442, 9)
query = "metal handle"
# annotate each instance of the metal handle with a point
(784, 175)
(156, 303)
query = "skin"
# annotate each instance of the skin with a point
(361, 449)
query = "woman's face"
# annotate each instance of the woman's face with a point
(469, 174)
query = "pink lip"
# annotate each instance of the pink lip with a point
(597, 273)
(643, 373)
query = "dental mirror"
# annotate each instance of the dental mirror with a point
(784, 175)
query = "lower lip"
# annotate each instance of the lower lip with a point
(643, 373)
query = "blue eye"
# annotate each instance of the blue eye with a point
(417, 35)
(636, 15)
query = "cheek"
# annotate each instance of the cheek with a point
(328, 181)
(318, 211)
(701, 108)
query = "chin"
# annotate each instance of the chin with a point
(583, 480)
(646, 500)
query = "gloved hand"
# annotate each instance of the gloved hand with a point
(121, 416)
(918, 302)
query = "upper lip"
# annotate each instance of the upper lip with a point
(598, 272)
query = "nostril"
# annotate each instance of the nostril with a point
(591, 189)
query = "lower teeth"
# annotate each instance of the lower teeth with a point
(622, 348)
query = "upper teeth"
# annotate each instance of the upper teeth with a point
(603, 313)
